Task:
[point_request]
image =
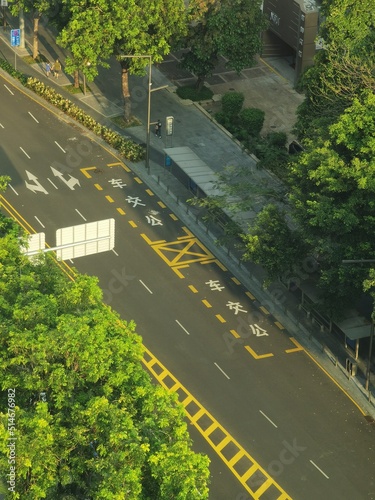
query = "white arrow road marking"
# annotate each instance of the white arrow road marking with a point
(37, 185)
(33, 117)
(62, 149)
(24, 152)
(69, 182)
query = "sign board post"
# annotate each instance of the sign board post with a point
(169, 122)
(15, 39)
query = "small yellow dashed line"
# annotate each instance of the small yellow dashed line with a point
(250, 295)
(120, 211)
(132, 223)
(98, 187)
(220, 318)
(148, 191)
(172, 216)
(235, 334)
(193, 289)
(235, 280)
(206, 303)
(279, 325)
(137, 179)
(161, 204)
(111, 200)
(264, 310)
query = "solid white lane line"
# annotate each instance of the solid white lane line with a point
(269, 420)
(8, 89)
(114, 251)
(24, 152)
(147, 288)
(12, 188)
(39, 222)
(184, 329)
(33, 117)
(62, 149)
(1, 125)
(54, 185)
(320, 470)
(222, 371)
(79, 213)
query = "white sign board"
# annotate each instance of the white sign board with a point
(85, 239)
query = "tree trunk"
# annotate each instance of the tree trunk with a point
(35, 35)
(76, 79)
(125, 91)
(199, 83)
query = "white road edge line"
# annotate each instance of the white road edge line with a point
(33, 117)
(184, 329)
(79, 213)
(8, 89)
(147, 288)
(54, 185)
(39, 222)
(24, 152)
(269, 420)
(12, 188)
(320, 470)
(222, 371)
(62, 149)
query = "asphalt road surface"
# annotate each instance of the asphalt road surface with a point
(198, 320)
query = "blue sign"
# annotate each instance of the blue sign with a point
(15, 36)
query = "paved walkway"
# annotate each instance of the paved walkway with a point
(263, 88)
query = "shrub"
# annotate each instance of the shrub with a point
(232, 103)
(193, 94)
(252, 120)
(277, 139)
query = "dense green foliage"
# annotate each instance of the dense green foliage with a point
(88, 421)
(231, 103)
(192, 93)
(227, 28)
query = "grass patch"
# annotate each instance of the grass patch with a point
(120, 122)
(40, 59)
(192, 93)
(76, 90)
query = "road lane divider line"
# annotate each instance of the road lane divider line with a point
(8, 89)
(279, 325)
(98, 187)
(250, 295)
(161, 204)
(220, 318)
(184, 329)
(132, 223)
(206, 303)
(79, 213)
(137, 179)
(173, 217)
(53, 184)
(24, 152)
(264, 310)
(319, 469)
(193, 289)
(33, 117)
(12, 188)
(149, 192)
(121, 211)
(147, 288)
(269, 420)
(235, 280)
(239, 461)
(58, 145)
(109, 198)
(235, 334)
(41, 223)
(222, 371)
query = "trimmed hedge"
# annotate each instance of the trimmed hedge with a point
(251, 120)
(232, 103)
(193, 94)
(129, 149)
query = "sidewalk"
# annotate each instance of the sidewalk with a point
(194, 128)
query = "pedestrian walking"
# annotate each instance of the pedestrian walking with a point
(57, 68)
(48, 69)
(158, 129)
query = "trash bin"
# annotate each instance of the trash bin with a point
(167, 161)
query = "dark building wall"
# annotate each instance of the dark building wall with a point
(295, 23)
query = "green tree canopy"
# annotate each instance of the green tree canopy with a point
(101, 29)
(232, 29)
(89, 422)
